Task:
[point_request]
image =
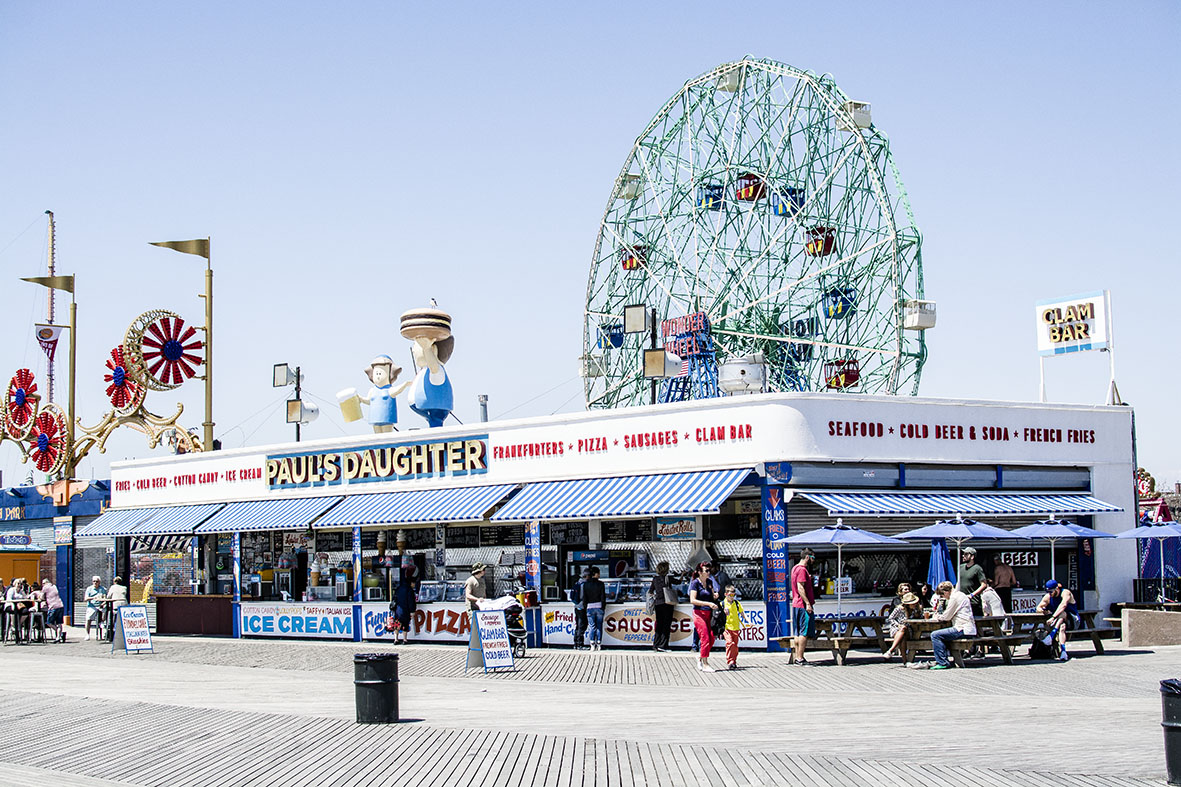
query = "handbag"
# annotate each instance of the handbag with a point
(391, 624)
(717, 621)
(649, 603)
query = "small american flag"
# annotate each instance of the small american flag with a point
(684, 368)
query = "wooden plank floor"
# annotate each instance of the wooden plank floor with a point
(138, 743)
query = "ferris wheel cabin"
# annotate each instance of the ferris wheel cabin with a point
(918, 315)
(750, 187)
(787, 201)
(710, 196)
(820, 241)
(631, 258)
(629, 186)
(854, 115)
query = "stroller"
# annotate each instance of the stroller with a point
(514, 622)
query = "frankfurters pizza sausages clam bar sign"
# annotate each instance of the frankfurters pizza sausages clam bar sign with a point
(729, 432)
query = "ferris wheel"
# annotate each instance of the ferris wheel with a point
(762, 197)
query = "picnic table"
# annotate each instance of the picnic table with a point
(990, 631)
(840, 634)
(1025, 622)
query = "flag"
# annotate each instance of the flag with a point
(200, 246)
(47, 336)
(684, 368)
(53, 282)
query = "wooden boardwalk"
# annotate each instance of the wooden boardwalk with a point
(88, 742)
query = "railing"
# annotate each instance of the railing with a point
(1147, 591)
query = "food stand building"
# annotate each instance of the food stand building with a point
(307, 539)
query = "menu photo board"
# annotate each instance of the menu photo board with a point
(420, 538)
(132, 634)
(567, 533)
(495, 646)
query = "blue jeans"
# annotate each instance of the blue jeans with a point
(594, 617)
(939, 640)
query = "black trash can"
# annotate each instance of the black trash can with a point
(375, 678)
(1170, 697)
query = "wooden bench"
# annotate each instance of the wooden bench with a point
(839, 635)
(839, 646)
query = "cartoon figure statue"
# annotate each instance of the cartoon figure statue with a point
(382, 397)
(430, 331)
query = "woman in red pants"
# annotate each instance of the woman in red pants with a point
(703, 595)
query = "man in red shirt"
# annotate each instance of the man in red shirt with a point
(802, 596)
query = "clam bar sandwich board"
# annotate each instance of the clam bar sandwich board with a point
(489, 646)
(132, 634)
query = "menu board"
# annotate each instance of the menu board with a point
(463, 537)
(616, 530)
(502, 536)
(333, 541)
(420, 538)
(368, 539)
(563, 533)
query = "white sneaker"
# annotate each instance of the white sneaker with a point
(88, 637)
(706, 668)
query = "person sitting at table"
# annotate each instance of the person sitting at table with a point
(94, 596)
(117, 593)
(959, 613)
(55, 608)
(925, 594)
(1060, 605)
(16, 613)
(903, 589)
(908, 607)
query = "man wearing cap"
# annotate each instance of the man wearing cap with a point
(94, 596)
(473, 587)
(1060, 605)
(972, 579)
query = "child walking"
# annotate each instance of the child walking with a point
(735, 622)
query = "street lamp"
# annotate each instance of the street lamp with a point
(637, 318)
(298, 411)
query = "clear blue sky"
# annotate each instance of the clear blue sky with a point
(352, 160)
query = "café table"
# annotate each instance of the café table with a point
(17, 613)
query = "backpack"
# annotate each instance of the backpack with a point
(1042, 644)
(717, 621)
(576, 593)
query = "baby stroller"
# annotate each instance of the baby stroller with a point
(513, 620)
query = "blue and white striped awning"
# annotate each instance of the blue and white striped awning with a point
(291, 514)
(465, 504)
(119, 522)
(951, 503)
(633, 495)
(166, 543)
(177, 520)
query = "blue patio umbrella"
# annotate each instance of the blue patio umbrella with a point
(958, 530)
(838, 534)
(939, 569)
(1160, 531)
(1054, 529)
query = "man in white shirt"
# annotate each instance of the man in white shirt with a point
(959, 613)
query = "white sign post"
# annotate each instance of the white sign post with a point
(132, 634)
(495, 646)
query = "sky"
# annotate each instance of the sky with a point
(352, 160)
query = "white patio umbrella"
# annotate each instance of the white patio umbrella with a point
(839, 534)
(1054, 529)
(959, 530)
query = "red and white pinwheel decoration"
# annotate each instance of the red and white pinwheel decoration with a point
(47, 441)
(124, 390)
(20, 404)
(161, 351)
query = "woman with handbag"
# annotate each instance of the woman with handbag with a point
(664, 600)
(703, 595)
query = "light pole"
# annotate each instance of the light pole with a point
(298, 411)
(200, 247)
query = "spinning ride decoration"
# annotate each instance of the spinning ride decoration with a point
(160, 347)
(764, 197)
(158, 354)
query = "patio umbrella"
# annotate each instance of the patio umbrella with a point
(1160, 531)
(939, 569)
(839, 534)
(1053, 529)
(958, 530)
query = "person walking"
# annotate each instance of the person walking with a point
(665, 600)
(802, 597)
(405, 604)
(959, 613)
(703, 595)
(55, 616)
(579, 611)
(1003, 580)
(594, 595)
(735, 622)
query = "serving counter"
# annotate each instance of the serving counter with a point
(189, 614)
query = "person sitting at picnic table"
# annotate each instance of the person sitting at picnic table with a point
(959, 613)
(56, 608)
(16, 613)
(908, 607)
(1060, 605)
(93, 597)
(903, 589)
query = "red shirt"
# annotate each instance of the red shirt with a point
(800, 575)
